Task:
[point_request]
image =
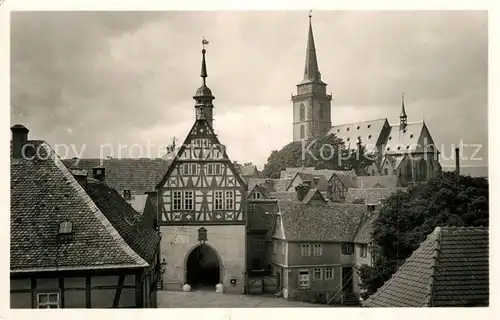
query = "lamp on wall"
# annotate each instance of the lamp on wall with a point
(202, 235)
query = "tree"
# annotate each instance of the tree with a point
(407, 218)
(327, 152)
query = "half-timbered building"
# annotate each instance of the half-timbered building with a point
(201, 206)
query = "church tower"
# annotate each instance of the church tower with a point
(203, 96)
(311, 104)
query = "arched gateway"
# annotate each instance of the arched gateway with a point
(203, 267)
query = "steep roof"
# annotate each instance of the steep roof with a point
(449, 269)
(404, 140)
(289, 173)
(389, 181)
(368, 131)
(363, 235)
(123, 217)
(249, 170)
(44, 194)
(320, 222)
(136, 175)
(322, 182)
(370, 196)
(348, 180)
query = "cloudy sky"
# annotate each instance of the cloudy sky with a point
(91, 79)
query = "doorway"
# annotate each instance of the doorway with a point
(347, 281)
(203, 268)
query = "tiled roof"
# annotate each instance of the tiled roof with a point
(322, 181)
(449, 269)
(403, 141)
(389, 181)
(138, 202)
(44, 194)
(348, 180)
(122, 216)
(320, 222)
(249, 170)
(311, 194)
(136, 175)
(370, 196)
(363, 235)
(261, 218)
(368, 131)
(290, 173)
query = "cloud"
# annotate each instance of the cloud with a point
(128, 77)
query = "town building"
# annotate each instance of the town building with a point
(404, 149)
(75, 242)
(201, 208)
(317, 247)
(449, 269)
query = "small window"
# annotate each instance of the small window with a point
(347, 248)
(318, 274)
(186, 169)
(317, 249)
(347, 129)
(127, 195)
(176, 200)
(197, 143)
(411, 136)
(338, 130)
(210, 169)
(329, 273)
(388, 148)
(373, 172)
(386, 171)
(48, 300)
(357, 128)
(408, 147)
(390, 138)
(348, 139)
(255, 240)
(369, 126)
(188, 200)
(218, 200)
(217, 169)
(275, 247)
(399, 147)
(66, 227)
(283, 248)
(304, 279)
(305, 249)
(363, 251)
(404, 131)
(229, 200)
(369, 136)
(194, 169)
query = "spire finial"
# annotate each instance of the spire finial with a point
(403, 117)
(204, 42)
(310, 15)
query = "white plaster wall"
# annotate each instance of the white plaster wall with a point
(227, 240)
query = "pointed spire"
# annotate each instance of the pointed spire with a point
(203, 62)
(403, 117)
(311, 71)
(204, 96)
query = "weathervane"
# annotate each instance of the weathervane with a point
(310, 14)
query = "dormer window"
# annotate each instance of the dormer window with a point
(369, 136)
(127, 195)
(347, 129)
(357, 128)
(369, 126)
(65, 228)
(411, 136)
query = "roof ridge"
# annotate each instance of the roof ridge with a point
(434, 266)
(92, 206)
(356, 122)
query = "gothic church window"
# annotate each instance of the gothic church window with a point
(302, 132)
(302, 112)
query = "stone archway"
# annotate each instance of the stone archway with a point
(203, 267)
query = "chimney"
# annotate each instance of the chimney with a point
(302, 191)
(457, 161)
(307, 183)
(315, 182)
(19, 139)
(80, 175)
(127, 195)
(98, 173)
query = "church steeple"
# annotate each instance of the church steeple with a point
(403, 117)
(203, 96)
(311, 70)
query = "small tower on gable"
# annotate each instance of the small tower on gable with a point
(403, 118)
(203, 96)
(311, 104)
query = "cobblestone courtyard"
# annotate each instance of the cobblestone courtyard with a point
(210, 299)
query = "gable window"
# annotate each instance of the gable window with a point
(48, 300)
(317, 249)
(217, 169)
(218, 200)
(194, 169)
(304, 279)
(373, 172)
(347, 248)
(317, 274)
(363, 252)
(230, 200)
(197, 143)
(370, 207)
(188, 200)
(176, 200)
(386, 171)
(305, 249)
(66, 227)
(186, 169)
(329, 273)
(210, 169)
